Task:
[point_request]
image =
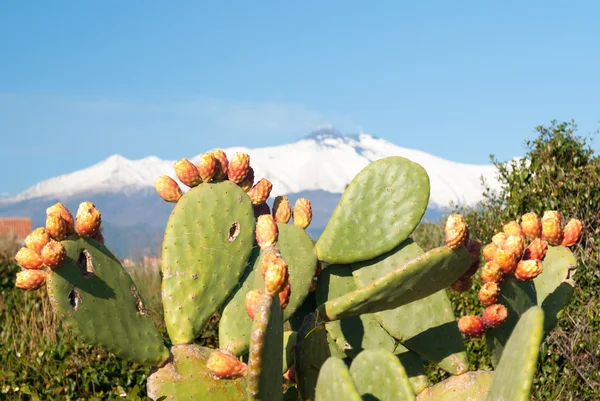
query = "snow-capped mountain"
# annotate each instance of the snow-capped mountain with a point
(318, 166)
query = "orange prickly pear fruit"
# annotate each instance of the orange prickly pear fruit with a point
(531, 225)
(513, 228)
(551, 227)
(282, 210)
(471, 326)
(187, 172)
(506, 259)
(266, 231)
(65, 214)
(528, 269)
(260, 191)
(456, 230)
(489, 293)
(30, 280)
(29, 259)
(492, 273)
(88, 219)
(238, 167)
(56, 226)
(223, 364)
(302, 213)
(276, 277)
(572, 232)
(247, 183)
(222, 164)
(261, 209)
(37, 239)
(489, 251)
(499, 239)
(272, 255)
(284, 295)
(54, 254)
(168, 189)
(463, 284)
(536, 250)
(251, 302)
(207, 167)
(516, 244)
(494, 315)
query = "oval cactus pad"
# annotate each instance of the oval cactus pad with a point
(378, 210)
(207, 245)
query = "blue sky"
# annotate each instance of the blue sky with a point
(80, 81)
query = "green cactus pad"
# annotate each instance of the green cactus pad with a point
(413, 365)
(291, 394)
(513, 377)
(379, 375)
(470, 386)
(436, 316)
(378, 210)
(93, 294)
(335, 382)
(186, 377)
(207, 244)
(417, 279)
(265, 362)
(312, 350)
(289, 347)
(551, 290)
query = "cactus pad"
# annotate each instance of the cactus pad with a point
(289, 346)
(335, 382)
(93, 294)
(312, 350)
(207, 245)
(413, 365)
(470, 386)
(378, 210)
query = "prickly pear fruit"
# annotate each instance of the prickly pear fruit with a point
(551, 227)
(251, 302)
(491, 272)
(516, 244)
(456, 230)
(513, 228)
(65, 214)
(37, 240)
(494, 315)
(247, 183)
(260, 191)
(528, 269)
(536, 250)
(474, 248)
(272, 255)
(168, 189)
(572, 232)
(506, 259)
(302, 213)
(471, 326)
(531, 225)
(88, 219)
(463, 284)
(284, 295)
(222, 164)
(499, 239)
(54, 254)
(238, 167)
(56, 226)
(282, 210)
(489, 251)
(276, 277)
(222, 364)
(187, 172)
(489, 293)
(29, 259)
(266, 231)
(30, 280)
(261, 209)
(207, 167)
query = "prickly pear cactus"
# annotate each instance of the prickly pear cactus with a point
(335, 382)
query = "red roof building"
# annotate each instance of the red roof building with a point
(17, 226)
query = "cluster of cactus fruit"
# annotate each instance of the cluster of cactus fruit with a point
(354, 315)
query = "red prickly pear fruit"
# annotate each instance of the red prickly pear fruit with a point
(276, 277)
(471, 326)
(30, 280)
(516, 244)
(572, 232)
(65, 214)
(261, 209)
(282, 210)
(499, 239)
(88, 219)
(489, 294)
(222, 164)
(29, 259)
(251, 302)
(187, 172)
(551, 227)
(260, 191)
(54, 254)
(536, 250)
(223, 364)
(494, 315)
(238, 167)
(247, 183)
(302, 213)
(489, 251)
(56, 226)
(290, 374)
(492, 273)
(463, 284)
(529, 269)
(37, 240)
(98, 237)
(513, 228)
(284, 295)
(531, 225)
(207, 167)
(167, 189)
(266, 231)
(506, 259)
(456, 230)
